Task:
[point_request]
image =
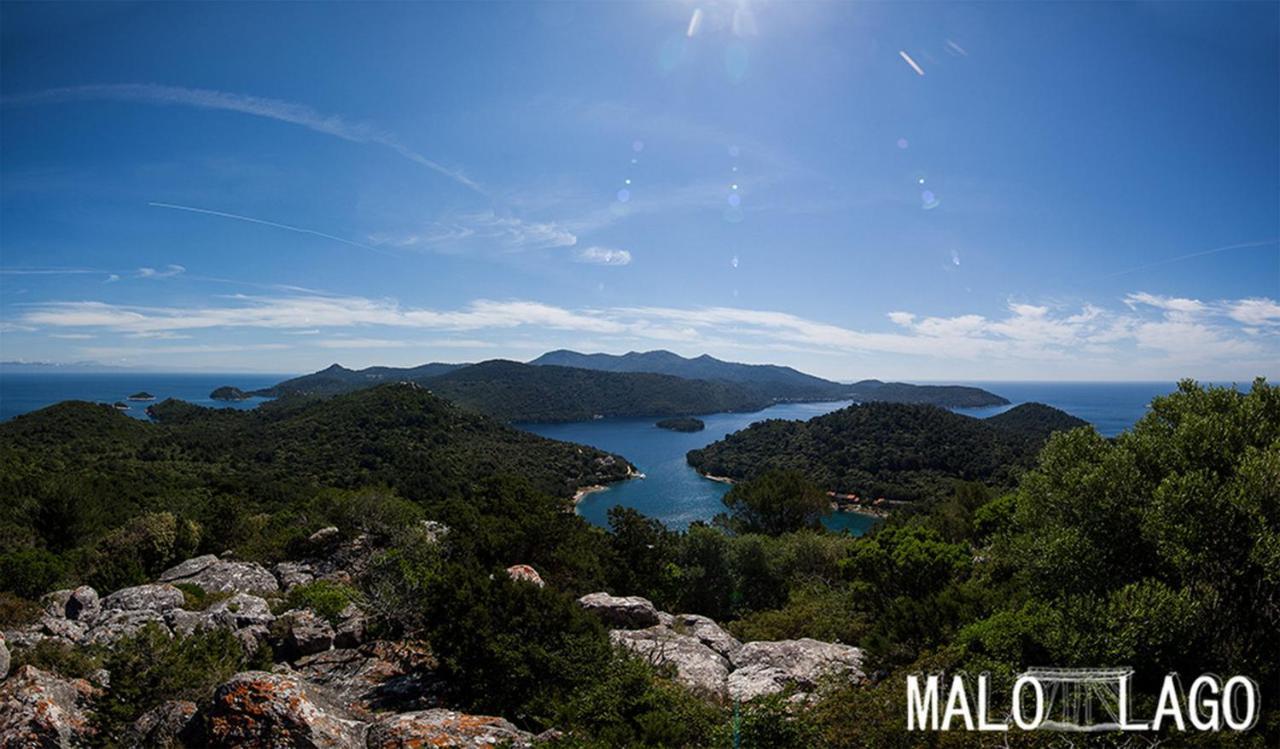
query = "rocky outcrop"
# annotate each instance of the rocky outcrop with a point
(762, 668)
(445, 728)
(258, 709)
(39, 709)
(377, 677)
(115, 625)
(525, 573)
(713, 662)
(707, 632)
(157, 597)
(304, 633)
(4, 657)
(216, 575)
(696, 666)
(351, 627)
(168, 725)
(631, 612)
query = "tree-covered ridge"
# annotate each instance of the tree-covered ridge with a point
(336, 379)
(773, 382)
(71, 472)
(510, 391)
(947, 396)
(891, 450)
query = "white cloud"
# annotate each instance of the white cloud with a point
(1144, 333)
(486, 229)
(273, 109)
(1255, 312)
(604, 256)
(169, 272)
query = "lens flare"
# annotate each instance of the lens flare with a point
(624, 195)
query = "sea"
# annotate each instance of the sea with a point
(670, 491)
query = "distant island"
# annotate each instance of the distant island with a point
(569, 386)
(889, 451)
(142, 395)
(229, 393)
(682, 424)
(120, 406)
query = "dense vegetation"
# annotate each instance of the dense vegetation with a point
(890, 450)
(1156, 550)
(229, 393)
(682, 424)
(337, 379)
(577, 387)
(772, 382)
(947, 396)
(82, 486)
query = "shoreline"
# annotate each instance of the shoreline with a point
(583, 491)
(856, 508)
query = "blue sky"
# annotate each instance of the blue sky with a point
(911, 191)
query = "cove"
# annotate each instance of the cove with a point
(671, 491)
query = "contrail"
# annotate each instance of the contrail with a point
(1202, 253)
(272, 109)
(264, 222)
(907, 59)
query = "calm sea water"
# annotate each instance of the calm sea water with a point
(674, 493)
(21, 392)
(671, 491)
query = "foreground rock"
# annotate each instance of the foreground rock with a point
(4, 657)
(762, 668)
(216, 575)
(697, 666)
(445, 728)
(157, 597)
(378, 677)
(171, 724)
(258, 709)
(630, 612)
(708, 633)
(39, 709)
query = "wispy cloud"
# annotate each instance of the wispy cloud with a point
(264, 222)
(907, 59)
(169, 271)
(485, 230)
(1202, 253)
(604, 256)
(273, 109)
(1146, 327)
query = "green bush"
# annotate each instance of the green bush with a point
(196, 598)
(151, 667)
(325, 597)
(16, 611)
(58, 657)
(30, 573)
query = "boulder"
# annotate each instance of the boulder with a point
(66, 628)
(170, 724)
(708, 633)
(630, 612)
(292, 574)
(4, 658)
(83, 605)
(216, 575)
(445, 728)
(305, 633)
(324, 537)
(770, 667)
(39, 709)
(697, 666)
(243, 610)
(350, 630)
(259, 709)
(116, 624)
(377, 677)
(55, 603)
(523, 572)
(157, 597)
(186, 623)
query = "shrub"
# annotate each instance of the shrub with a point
(325, 597)
(31, 573)
(58, 657)
(16, 611)
(196, 598)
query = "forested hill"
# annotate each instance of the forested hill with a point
(892, 450)
(336, 379)
(75, 467)
(511, 391)
(773, 381)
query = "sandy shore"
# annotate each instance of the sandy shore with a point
(584, 491)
